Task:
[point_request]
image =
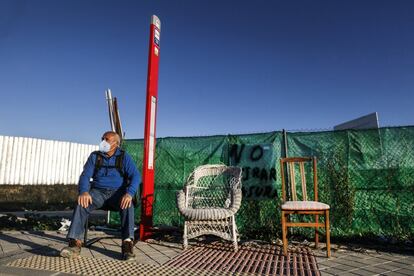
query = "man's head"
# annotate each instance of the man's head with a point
(113, 139)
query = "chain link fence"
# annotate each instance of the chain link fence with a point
(366, 176)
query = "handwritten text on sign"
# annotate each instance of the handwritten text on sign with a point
(258, 164)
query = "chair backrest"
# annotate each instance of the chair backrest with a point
(209, 186)
(292, 163)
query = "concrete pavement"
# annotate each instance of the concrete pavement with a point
(18, 249)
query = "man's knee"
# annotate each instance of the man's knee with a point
(82, 209)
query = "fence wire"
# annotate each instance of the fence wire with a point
(366, 176)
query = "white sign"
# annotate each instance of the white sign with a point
(152, 133)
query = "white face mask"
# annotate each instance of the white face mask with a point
(104, 146)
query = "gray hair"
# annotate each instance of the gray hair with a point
(113, 133)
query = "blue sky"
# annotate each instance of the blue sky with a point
(225, 66)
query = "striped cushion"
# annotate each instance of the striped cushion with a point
(304, 205)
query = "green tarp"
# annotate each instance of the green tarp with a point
(366, 176)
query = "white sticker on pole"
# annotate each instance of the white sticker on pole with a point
(152, 133)
(157, 37)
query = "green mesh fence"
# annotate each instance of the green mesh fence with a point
(366, 176)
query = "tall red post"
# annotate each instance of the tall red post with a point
(147, 195)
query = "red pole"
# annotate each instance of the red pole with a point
(147, 195)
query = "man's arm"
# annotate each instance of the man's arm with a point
(84, 179)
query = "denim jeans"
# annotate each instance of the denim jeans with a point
(107, 199)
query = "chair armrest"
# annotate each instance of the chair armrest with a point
(236, 198)
(180, 201)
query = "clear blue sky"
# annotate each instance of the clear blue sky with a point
(225, 66)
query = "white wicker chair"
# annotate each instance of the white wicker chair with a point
(211, 197)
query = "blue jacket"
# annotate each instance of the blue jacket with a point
(109, 178)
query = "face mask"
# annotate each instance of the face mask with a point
(104, 146)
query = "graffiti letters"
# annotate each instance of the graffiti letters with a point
(258, 165)
(259, 173)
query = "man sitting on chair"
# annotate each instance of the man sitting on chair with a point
(114, 183)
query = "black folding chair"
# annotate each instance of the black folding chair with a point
(116, 232)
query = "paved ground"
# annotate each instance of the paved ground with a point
(15, 245)
(348, 261)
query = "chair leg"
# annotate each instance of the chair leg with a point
(328, 234)
(284, 232)
(317, 232)
(185, 240)
(233, 229)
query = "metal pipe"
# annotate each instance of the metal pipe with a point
(117, 119)
(110, 108)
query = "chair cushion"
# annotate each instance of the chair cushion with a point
(304, 205)
(209, 213)
(206, 214)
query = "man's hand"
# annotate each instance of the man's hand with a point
(126, 201)
(84, 199)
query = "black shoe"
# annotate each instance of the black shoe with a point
(73, 250)
(128, 251)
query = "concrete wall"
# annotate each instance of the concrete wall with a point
(37, 197)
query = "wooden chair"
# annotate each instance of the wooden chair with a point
(303, 205)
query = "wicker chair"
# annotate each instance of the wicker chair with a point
(209, 201)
